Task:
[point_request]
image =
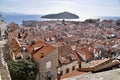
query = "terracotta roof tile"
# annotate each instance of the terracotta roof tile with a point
(15, 46)
(66, 54)
(85, 53)
(71, 74)
(43, 48)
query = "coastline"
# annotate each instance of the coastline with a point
(19, 18)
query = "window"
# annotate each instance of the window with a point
(48, 64)
(67, 70)
(61, 73)
(73, 68)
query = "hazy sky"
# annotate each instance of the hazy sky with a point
(81, 7)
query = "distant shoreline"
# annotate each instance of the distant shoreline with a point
(19, 18)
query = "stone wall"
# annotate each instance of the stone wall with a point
(48, 63)
(3, 28)
(29, 23)
(69, 66)
(4, 72)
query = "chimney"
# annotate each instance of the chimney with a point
(89, 48)
(68, 57)
(94, 51)
(41, 54)
(73, 47)
(32, 42)
(59, 62)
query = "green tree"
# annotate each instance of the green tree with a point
(24, 69)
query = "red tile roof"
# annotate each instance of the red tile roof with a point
(78, 57)
(39, 48)
(104, 65)
(85, 51)
(71, 74)
(15, 46)
(66, 54)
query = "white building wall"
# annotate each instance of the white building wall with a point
(68, 66)
(2, 27)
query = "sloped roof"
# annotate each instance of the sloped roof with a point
(39, 48)
(71, 74)
(106, 64)
(93, 63)
(66, 54)
(15, 46)
(106, 75)
(85, 53)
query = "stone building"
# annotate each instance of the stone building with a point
(12, 27)
(48, 66)
(3, 29)
(18, 50)
(57, 63)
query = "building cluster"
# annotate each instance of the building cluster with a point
(66, 49)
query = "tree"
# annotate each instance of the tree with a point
(24, 69)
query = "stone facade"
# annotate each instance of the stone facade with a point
(66, 68)
(3, 28)
(48, 66)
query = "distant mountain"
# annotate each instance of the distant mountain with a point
(62, 15)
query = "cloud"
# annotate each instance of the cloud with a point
(82, 7)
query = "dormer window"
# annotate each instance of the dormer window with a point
(38, 48)
(23, 49)
(67, 56)
(47, 39)
(52, 39)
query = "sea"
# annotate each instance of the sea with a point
(19, 18)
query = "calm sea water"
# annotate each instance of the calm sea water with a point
(110, 18)
(19, 18)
